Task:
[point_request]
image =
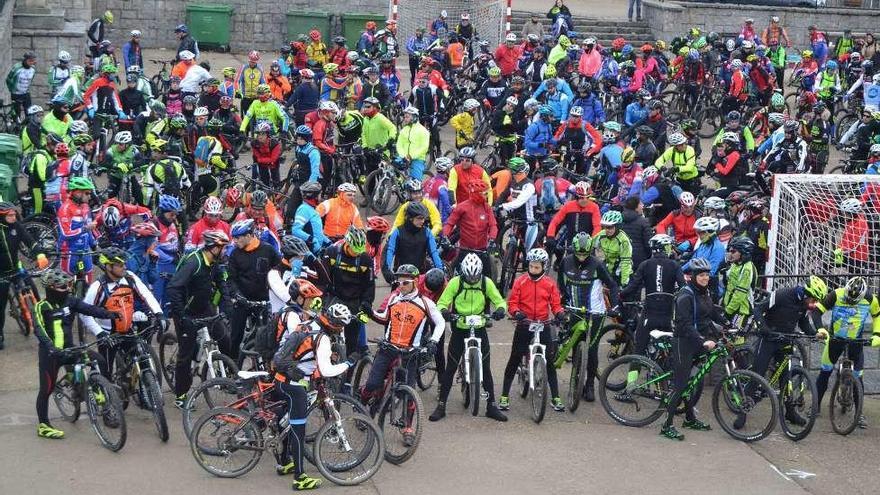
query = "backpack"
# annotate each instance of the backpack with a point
(268, 337)
(171, 184)
(461, 288)
(298, 344)
(121, 300)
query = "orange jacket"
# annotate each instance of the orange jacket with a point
(339, 215)
(180, 69)
(279, 86)
(854, 242)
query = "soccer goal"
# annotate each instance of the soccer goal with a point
(487, 16)
(811, 234)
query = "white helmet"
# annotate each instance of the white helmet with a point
(512, 100)
(510, 37)
(135, 33)
(352, 56)
(111, 216)
(212, 206)
(532, 103)
(346, 187)
(776, 118)
(650, 173)
(471, 104)
(78, 127)
(338, 314)
(576, 111)
(676, 138)
(706, 224)
(875, 149)
(471, 268)
(34, 109)
(63, 56)
(133, 69)
(123, 137)
(412, 111)
(687, 199)
(537, 255)
(328, 105)
(443, 163)
(201, 112)
(736, 64)
(186, 55)
(875, 78)
(714, 203)
(851, 205)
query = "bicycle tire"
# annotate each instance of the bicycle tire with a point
(97, 417)
(476, 379)
(427, 371)
(620, 343)
(843, 124)
(464, 387)
(522, 377)
(222, 366)
(360, 374)
(242, 433)
(853, 403)
(312, 427)
(213, 393)
(739, 382)
(373, 441)
(168, 357)
(410, 400)
(792, 397)
(540, 389)
(66, 397)
(508, 268)
(651, 384)
(16, 313)
(153, 393)
(382, 199)
(576, 389)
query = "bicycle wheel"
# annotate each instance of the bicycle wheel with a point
(168, 357)
(709, 121)
(226, 443)
(401, 419)
(427, 371)
(753, 415)
(153, 393)
(219, 365)
(354, 440)
(210, 394)
(614, 341)
(464, 387)
(578, 377)
(846, 403)
(476, 379)
(66, 396)
(508, 267)
(382, 198)
(360, 374)
(45, 236)
(647, 387)
(522, 377)
(843, 124)
(105, 413)
(800, 403)
(540, 390)
(316, 416)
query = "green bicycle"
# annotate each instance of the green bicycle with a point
(649, 387)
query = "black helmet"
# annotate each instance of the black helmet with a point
(310, 189)
(259, 199)
(585, 87)
(734, 115)
(416, 209)
(699, 265)
(743, 244)
(435, 279)
(549, 165)
(407, 270)
(293, 246)
(645, 130)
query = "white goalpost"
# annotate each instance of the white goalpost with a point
(811, 235)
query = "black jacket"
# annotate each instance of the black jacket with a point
(248, 271)
(351, 278)
(657, 275)
(639, 231)
(192, 289)
(694, 313)
(11, 238)
(784, 310)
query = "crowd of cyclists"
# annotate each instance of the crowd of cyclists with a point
(570, 183)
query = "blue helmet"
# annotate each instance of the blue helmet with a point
(627, 49)
(243, 227)
(831, 65)
(168, 203)
(693, 55)
(304, 131)
(545, 110)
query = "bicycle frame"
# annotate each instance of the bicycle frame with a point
(535, 348)
(472, 340)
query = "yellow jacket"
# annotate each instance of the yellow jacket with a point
(433, 216)
(463, 123)
(317, 51)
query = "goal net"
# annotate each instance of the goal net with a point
(487, 17)
(811, 234)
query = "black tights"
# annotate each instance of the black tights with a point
(684, 351)
(456, 347)
(522, 338)
(294, 443)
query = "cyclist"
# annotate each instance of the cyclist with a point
(267, 155)
(816, 132)
(33, 136)
(464, 123)
(464, 173)
(212, 209)
(519, 200)
(265, 109)
(580, 214)
(165, 175)
(283, 279)
(504, 126)
(102, 97)
(307, 222)
(167, 245)
(470, 293)
(709, 248)
(732, 124)
(581, 138)
(684, 159)
(539, 136)
(250, 77)
(436, 188)
(756, 226)
(536, 297)
(114, 221)
(18, 82)
(615, 246)
(307, 169)
(352, 282)
(738, 282)
(414, 188)
(411, 243)
(76, 227)
(121, 159)
(267, 220)
(303, 355)
(141, 258)
(680, 223)
(692, 330)
(413, 143)
(477, 226)
(727, 164)
(378, 132)
(54, 324)
(340, 213)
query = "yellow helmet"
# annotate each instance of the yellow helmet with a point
(628, 155)
(107, 17)
(158, 145)
(683, 51)
(661, 45)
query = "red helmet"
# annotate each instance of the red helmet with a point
(254, 56)
(647, 47)
(113, 202)
(315, 35)
(618, 43)
(233, 196)
(145, 229)
(378, 224)
(478, 186)
(61, 149)
(308, 289)
(583, 189)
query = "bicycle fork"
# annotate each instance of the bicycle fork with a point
(535, 349)
(468, 343)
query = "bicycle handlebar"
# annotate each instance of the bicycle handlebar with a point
(860, 341)
(207, 320)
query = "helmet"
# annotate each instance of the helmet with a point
(660, 243)
(756, 204)
(537, 255)
(831, 65)
(776, 118)
(337, 316)
(676, 138)
(52, 139)
(123, 137)
(216, 123)
(743, 245)
(352, 56)
(645, 130)
(145, 229)
(628, 155)
(855, 289)
(407, 270)
(777, 100)
(687, 199)
(169, 203)
(736, 64)
(242, 227)
(576, 111)
(254, 56)
(310, 189)
(792, 126)
(549, 165)
(330, 106)
(415, 111)
(80, 184)
(693, 55)
(356, 239)
(187, 55)
(303, 288)
(612, 126)
(531, 103)
(416, 209)
(443, 163)
(339, 40)
(82, 139)
(62, 149)
(510, 37)
(699, 265)
(550, 72)
(190, 100)
(518, 165)
(293, 246)
(730, 137)
(471, 268)
(683, 51)
(494, 71)
(259, 199)
(611, 218)
(108, 69)
(177, 122)
(471, 104)
(157, 108)
(412, 185)
(263, 128)
(229, 71)
(181, 29)
(643, 93)
(346, 187)
(714, 203)
(112, 254)
(263, 89)
(34, 109)
(545, 111)
(875, 149)
(582, 242)
(855, 57)
(212, 206)
(304, 131)
(307, 74)
(467, 152)
(851, 205)
(706, 224)
(63, 56)
(111, 216)
(650, 174)
(57, 278)
(618, 43)
(378, 224)
(807, 54)
(583, 189)
(213, 238)
(816, 288)
(733, 115)
(435, 279)
(159, 145)
(107, 17)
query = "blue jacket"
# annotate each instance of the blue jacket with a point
(609, 70)
(307, 225)
(775, 138)
(538, 135)
(560, 104)
(391, 248)
(132, 55)
(414, 45)
(285, 69)
(561, 85)
(305, 96)
(593, 111)
(712, 251)
(635, 112)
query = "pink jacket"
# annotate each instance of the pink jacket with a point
(590, 63)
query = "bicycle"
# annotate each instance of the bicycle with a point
(209, 361)
(84, 383)
(848, 393)
(23, 296)
(258, 318)
(108, 127)
(10, 120)
(532, 371)
(80, 283)
(136, 374)
(224, 432)
(384, 186)
(739, 392)
(515, 243)
(161, 82)
(470, 369)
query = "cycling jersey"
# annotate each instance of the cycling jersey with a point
(308, 164)
(413, 142)
(578, 280)
(247, 80)
(466, 299)
(406, 318)
(713, 250)
(522, 199)
(437, 191)
(463, 123)
(433, 221)
(378, 131)
(74, 236)
(538, 298)
(308, 226)
(339, 214)
(738, 283)
(616, 253)
(576, 218)
(682, 227)
(460, 179)
(101, 97)
(198, 229)
(476, 224)
(410, 245)
(266, 111)
(685, 162)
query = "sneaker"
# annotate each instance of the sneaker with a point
(493, 412)
(863, 423)
(697, 425)
(504, 403)
(792, 416)
(439, 412)
(557, 404)
(45, 430)
(589, 392)
(179, 401)
(739, 422)
(285, 469)
(671, 433)
(409, 437)
(306, 482)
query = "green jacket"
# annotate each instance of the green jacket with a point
(377, 131)
(685, 163)
(849, 320)
(744, 132)
(467, 299)
(413, 141)
(777, 57)
(739, 280)
(60, 127)
(617, 254)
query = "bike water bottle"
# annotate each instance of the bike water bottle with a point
(78, 373)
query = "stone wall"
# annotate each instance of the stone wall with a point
(256, 24)
(6, 58)
(670, 19)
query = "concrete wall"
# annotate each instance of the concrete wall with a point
(256, 24)
(670, 19)
(6, 58)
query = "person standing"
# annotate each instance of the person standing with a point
(18, 82)
(96, 33)
(131, 51)
(637, 6)
(187, 42)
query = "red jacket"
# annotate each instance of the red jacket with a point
(579, 219)
(322, 136)
(476, 224)
(267, 154)
(538, 299)
(683, 225)
(198, 229)
(507, 58)
(727, 163)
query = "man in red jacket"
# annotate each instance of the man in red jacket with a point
(477, 227)
(682, 223)
(578, 215)
(267, 155)
(464, 173)
(507, 55)
(533, 298)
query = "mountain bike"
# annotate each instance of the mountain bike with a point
(520, 237)
(22, 297)
(136, 374)
(739, 393)
(107, 129)
(84, 383)
(161, 82)
(258, 318)
(470, 369)
(209, 361)
(384, 186)
(848, 393)
(532, 371)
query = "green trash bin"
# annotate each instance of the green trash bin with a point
(10, 149)
(353, 26)
(303, 22)
(210, 25)
(8, 187)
